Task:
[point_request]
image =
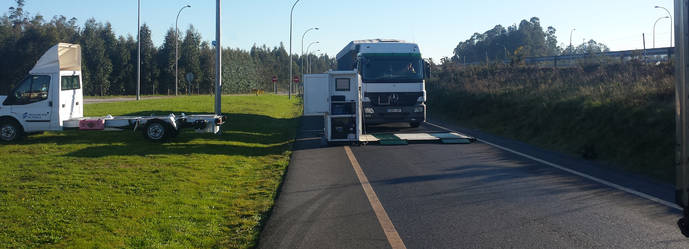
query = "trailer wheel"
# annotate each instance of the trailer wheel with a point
(157, 131)
(10, 131)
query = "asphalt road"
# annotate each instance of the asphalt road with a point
(463, 196)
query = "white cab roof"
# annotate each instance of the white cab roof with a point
(380, 46)
(61, 57)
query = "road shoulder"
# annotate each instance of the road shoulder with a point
(321, 203)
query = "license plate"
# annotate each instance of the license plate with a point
(395, 110)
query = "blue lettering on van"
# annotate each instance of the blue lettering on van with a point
(32, 116)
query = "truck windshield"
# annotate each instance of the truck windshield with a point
(392, 68)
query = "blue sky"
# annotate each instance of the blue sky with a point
(437, 25)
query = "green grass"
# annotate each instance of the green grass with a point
(123, 96)
(117, 190)
(621, 115)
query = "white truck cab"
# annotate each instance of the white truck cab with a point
(393, 74)
(49, 95)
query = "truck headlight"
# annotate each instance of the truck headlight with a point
(369, 110)
(419, 109)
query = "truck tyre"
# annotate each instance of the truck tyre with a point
(157, 131)
(414, 124)
(10, 131)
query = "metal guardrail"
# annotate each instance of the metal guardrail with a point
(650, 55)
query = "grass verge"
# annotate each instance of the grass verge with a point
(115, 189)
(621, 115)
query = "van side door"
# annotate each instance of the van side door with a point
(71, 96)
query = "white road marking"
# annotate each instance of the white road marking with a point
(592, 178)
(385, 222)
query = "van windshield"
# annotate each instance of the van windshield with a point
(392, 68)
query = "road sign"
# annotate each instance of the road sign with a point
(190, 77)
(296, 79)
(275, 79)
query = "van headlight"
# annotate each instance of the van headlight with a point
(369, 110)
(418, 109)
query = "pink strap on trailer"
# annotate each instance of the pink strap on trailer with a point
(92, 124)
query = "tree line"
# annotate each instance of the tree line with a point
(109, 60)
(528, 39)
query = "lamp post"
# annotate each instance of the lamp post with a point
(307, 51)
(302, 50)
(671, 24)
(177, 47)
(138, 52)
(309, 62)
(218, 59)
(654, 29)
(289, 95)
(570, 38)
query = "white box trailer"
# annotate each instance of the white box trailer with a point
(51, 98)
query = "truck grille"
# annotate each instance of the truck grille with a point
(394, 99)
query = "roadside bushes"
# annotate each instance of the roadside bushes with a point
(619, 114)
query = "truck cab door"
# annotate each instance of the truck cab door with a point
(31, 103)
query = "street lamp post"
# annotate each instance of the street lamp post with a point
(309, 62)
(289, 95)
(307, 52)
(654, 29)
(671, 24)
(138, 52)
(570, 38)
(177, 47)
(302, 50)
(218, 59)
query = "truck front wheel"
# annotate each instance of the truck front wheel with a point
(10, 131)
(157, 131)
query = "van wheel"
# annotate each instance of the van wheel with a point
(10, 131)
(157, 131)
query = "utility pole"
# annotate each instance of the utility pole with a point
(218, 60)
(138, 52)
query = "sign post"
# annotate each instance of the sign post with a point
(190, 79)
(275, 86)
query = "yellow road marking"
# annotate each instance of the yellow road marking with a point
(385, 222)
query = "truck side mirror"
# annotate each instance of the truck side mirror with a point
(426, 70)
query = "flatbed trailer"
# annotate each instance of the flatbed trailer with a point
(50, 98)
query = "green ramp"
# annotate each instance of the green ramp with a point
(389, 139)
(449, 138)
